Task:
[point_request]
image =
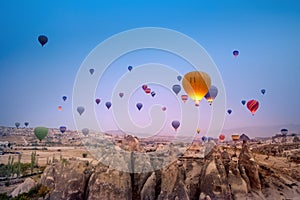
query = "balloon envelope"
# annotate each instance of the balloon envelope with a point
(235, 53)
(229, 111)
(64, 98)
(235, 137)
(17, 124)
(40, 132)
(108, 105)
(175, 124)
(263, 91)
(204, 138)
(179, 78)
(198, 130)
(139, 106)
(196, 84)
(153, 93)
(91, 71)
(164, 108)
(176, 89)
(85, 131)
(252, 106)
(221, 137)
(184, 97)
(80, 110)
(211, 94)
(148, 90)
(26, 124)
(97, 101)
(284, 131)
(121, 94)
(62, 129)
(130, 68)
(43, 39)
(59, 108)
(243, 102)
(144, 87)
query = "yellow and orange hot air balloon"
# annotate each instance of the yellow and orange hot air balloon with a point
(196, 84)
(198, 130)
(59, 108)
(235, 137)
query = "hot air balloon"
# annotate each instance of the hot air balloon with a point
(62, 129)
(153, 93)
(235, 137)
(164, 108)
(196, 84)
(263, 91)
(59, 108)
(144, 87)
(221, 137)
(26, 124)
(175, 124)
(85, 131)
(252, 106)
(64, 98)
(235, 53)
(139, 106)
(179, 78)
(80, 110)
(204, 138)
(284, 131)
(121, 94)
(43, 39)
(198, 130)
(148, 90)
(97, 101)
(129, 68)
(184, 98)
(176, 89)
(92, 71)
(229, 111)
(211, 94)
(17, 124)
(243, 102)
(40, 132)
(108, 105)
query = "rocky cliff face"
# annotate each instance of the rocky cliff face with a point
(218, 176)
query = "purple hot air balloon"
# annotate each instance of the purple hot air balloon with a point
(64, 98)
(175, 124)
(139, 106)
(235, 53)
(92, 71)
(85, 131)
(179, 78)
(62, 129)
(176, 89)
(121, 94)
(98, 101)
(108, 105)
(211, 94)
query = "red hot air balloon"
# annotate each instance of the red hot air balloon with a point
(184, 97)
(59, 108)
(148, 90)
(221, 137)
(164, 108)
(252, 105)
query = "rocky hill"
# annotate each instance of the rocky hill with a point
(220, 175)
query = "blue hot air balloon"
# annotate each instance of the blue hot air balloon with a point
(92, 71)
(211, 94)
(139, 106)
(80, 110)
(130, 68)
(43, 39)
(108, 105)
(229, 111)
(263, 91)
(243, 102)
(179, 78)
(204, 138)
(62, 129)
(176, 89)
(235, 53)
(153, 93)
(64, 98)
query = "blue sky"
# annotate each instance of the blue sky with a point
(33, 78)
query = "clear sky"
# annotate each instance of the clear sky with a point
(33, 78)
